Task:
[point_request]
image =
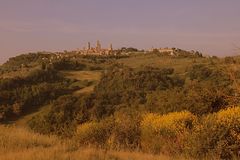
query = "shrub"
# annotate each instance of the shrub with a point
(200, 72)
(126, 132)
(166, 133)
(94, 133)
(66, 64)
(229, 60)
(58, 120)
(218, 134)
(120, 131)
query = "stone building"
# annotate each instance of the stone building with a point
(98, 50)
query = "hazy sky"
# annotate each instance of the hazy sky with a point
(211, 26)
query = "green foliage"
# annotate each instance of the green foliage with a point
(216, 134)
(65, 64)
(119, 131)
(65, 113)
(214, 76)
(94, 133)
(148, 79)
(24, 60)
(59, 120)
(200, 72)
(122, 86)
(229, 60)
(129, 49)
(126, 131)
(198, 98)
(20, 95)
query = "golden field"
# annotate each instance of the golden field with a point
(18, 143)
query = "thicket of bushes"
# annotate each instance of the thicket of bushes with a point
(24, 60)
(157, 90)
(66, 64)
(215, 135)
(20, 95)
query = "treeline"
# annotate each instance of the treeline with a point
(24, 60)
(19, 95)
(66, 64)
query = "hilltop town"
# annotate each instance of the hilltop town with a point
(53, 58)
(98, 50)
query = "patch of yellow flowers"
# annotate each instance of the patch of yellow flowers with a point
(176, 122)
(176, 132)
(165, 132)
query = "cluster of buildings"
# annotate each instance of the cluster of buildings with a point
(170, 51)
(97, 50)
(176, 52)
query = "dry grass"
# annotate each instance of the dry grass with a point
(85, 154)
(84, 90)
(83, 75)
(179, 64)
(21, 144)
(23, 73)
(93, 76)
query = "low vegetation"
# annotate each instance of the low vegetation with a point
(150, 104)
(21, 144)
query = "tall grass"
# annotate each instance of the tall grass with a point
(21, 144)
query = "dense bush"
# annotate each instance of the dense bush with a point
(149, 79)
(59, 120)
(216, 134)
(229, 60)
(122, 86)
(94, 133)
(126, 131)
(197, 98)
(17, 62)
(166, 133)
(65, 64)
(20, 95)
(34, 77)
(120, 131)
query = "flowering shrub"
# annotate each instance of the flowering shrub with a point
(93, 133)
(166, 133)
(216, 134)
(126, 131)
(120, 131)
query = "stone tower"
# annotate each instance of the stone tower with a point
(89, 46)
(111, 47)
(98, 47)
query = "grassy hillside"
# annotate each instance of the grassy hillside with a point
(152, 103)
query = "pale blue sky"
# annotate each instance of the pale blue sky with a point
(211, 26)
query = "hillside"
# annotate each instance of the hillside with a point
(155, 103)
